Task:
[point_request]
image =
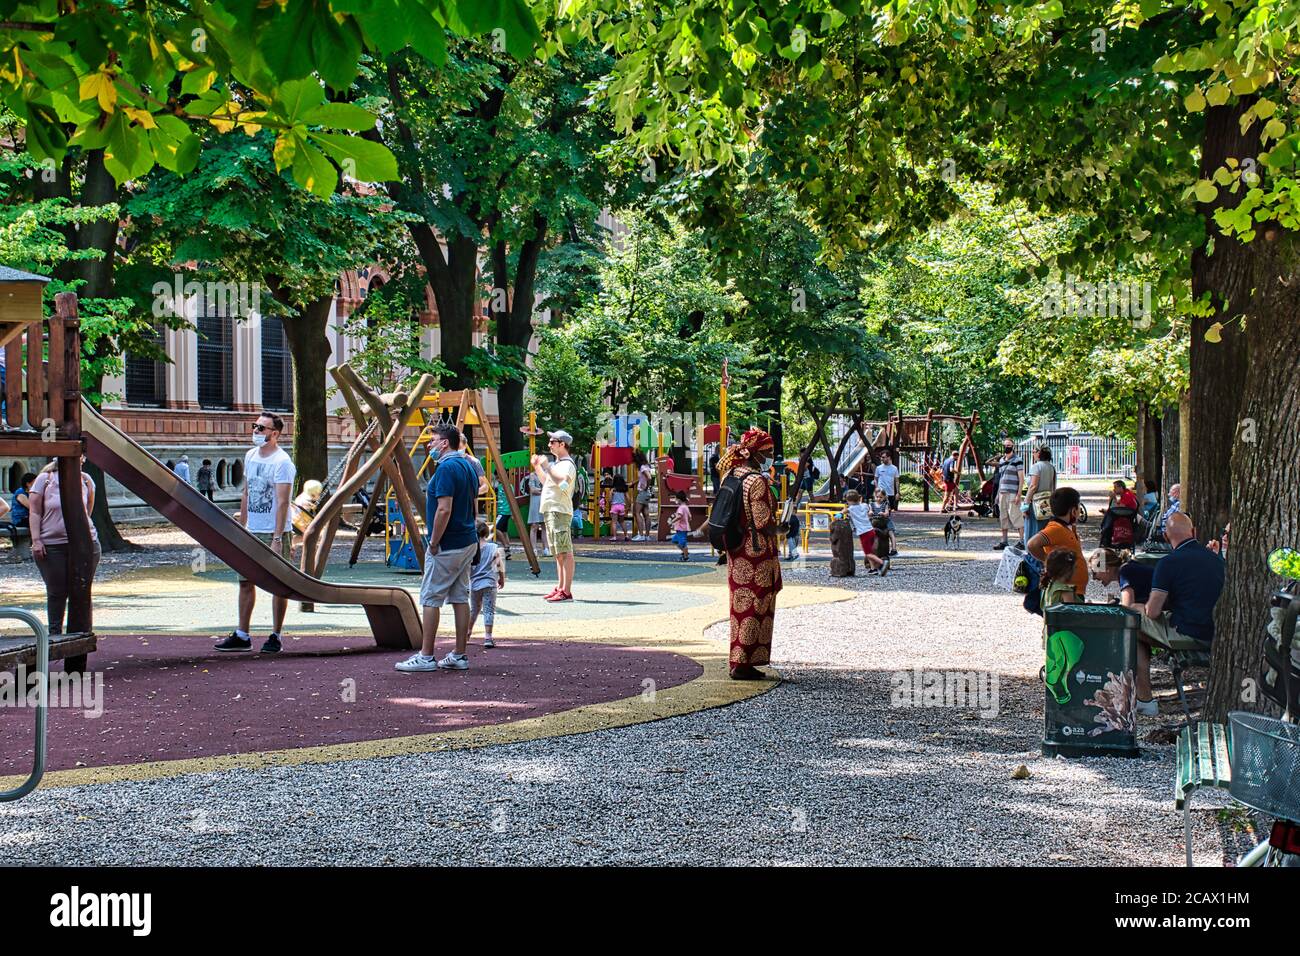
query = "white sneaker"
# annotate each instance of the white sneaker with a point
(417, 662)
(1148, 708)
(454, 662)
(488, 642)
(638, 537)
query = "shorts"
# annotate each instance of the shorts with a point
(950, 486)
(1009, 514)
(619, 510)
(643, 497)
(559, 529)
(446, 577)
(285, 551)
(868, 541)
(1161, 632)
(679, 538)
(893, 506)
(503, 522)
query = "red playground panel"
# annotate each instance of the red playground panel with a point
(696, 499)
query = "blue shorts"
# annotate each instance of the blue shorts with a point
(679, 538)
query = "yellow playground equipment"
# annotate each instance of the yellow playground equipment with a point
(463, 409)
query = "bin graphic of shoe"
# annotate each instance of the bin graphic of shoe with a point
(1064, 648)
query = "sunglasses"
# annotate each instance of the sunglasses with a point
(263, 428)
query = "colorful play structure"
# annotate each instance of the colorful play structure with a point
(631, 433)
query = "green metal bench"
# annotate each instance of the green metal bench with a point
(1204, 760)
(1187, 654)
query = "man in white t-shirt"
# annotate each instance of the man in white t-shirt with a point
(557, 478)
(887, 481)
(268, 482)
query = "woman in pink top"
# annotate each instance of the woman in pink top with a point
(50, 539)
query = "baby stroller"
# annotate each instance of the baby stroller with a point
(985, 501)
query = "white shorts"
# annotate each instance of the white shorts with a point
(1009, 514)
(446, 577)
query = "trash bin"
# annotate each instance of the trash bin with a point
(1152, 553)
(1091, 695)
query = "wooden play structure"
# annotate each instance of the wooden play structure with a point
(42, 419)
(897, 435)
(382, 421)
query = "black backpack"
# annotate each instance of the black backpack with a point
(725, 533)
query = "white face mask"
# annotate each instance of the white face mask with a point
(259, 439)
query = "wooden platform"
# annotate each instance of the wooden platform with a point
(20, 651)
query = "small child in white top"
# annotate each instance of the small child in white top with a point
(485, 579)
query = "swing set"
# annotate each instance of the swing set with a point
(381, 422)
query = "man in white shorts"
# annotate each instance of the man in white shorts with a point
(450, 504)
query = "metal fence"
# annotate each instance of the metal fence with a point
(1086, 456)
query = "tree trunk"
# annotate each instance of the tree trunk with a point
(1171, 446)
(768, 395)
(1218, 369)
(1148, 448)
(310, 347)
(514, 327)
(453, 279)
(510, 410)
(1265, 476)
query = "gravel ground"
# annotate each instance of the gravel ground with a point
(821, 770)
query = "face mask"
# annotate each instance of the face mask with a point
(259, 439)
(435, 454)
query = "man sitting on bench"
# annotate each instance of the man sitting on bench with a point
(18, 525)
(1179, 614)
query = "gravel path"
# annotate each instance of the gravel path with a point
(821, 770)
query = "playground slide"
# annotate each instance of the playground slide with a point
(391, 611)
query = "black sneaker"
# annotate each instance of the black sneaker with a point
(235, 643)
(1000, 546)
(272, 645)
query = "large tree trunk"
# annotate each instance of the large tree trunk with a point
(310, 347)
(1148, 456)
(514, 326)
(1218, 369)
(1265, 475)
(1171, 446)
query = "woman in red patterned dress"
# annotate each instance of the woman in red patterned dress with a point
(753, 567)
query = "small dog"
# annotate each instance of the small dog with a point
(952, 533)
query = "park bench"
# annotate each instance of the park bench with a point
(20, 651)
(1204, 760)
(1181, 658)
(21, 538)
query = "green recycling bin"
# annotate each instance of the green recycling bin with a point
(1091, 694)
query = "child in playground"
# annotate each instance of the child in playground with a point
(882, 514)
(792, 537)
(860, 517)
(682, 524)
(618, 509)
(485, 579)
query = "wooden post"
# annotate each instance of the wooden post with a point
(67, 362)
(595, 492)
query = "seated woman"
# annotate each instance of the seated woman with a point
(1109, 566)
(1117, 523)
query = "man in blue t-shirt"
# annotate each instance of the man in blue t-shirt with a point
(450, 507)
(1185, 587)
